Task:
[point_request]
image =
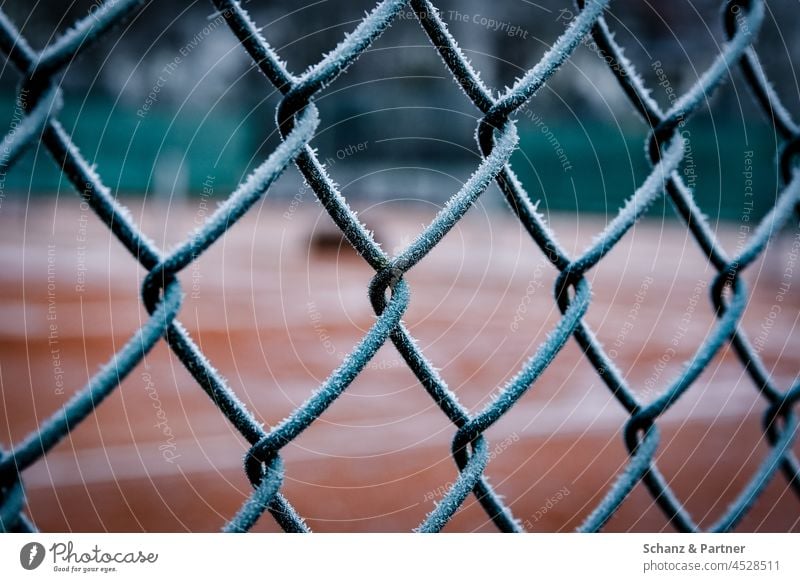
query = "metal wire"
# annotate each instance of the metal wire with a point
(41, 98)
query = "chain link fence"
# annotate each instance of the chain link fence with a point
(40, 98)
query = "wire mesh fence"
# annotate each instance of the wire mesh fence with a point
(40, 98)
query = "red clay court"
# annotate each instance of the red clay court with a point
(276, 316)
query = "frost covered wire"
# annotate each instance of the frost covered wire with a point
(40, 98)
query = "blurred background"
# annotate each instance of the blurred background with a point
(173, 115)
(398, 100)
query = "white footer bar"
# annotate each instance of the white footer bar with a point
(405, 557)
